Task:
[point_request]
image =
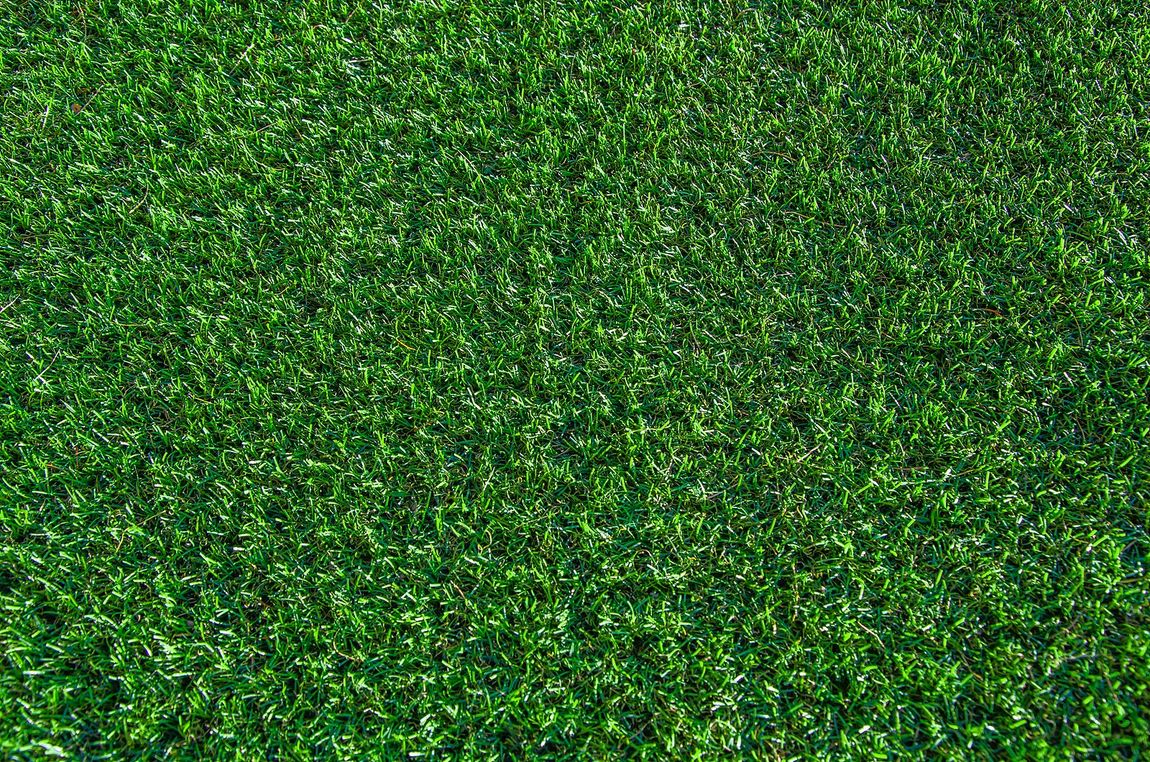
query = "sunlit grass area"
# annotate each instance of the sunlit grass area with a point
(574, 379)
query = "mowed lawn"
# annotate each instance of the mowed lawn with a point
(671, 380)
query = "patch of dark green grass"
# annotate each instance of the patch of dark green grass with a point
(574, 379)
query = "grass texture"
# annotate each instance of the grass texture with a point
(574, 380)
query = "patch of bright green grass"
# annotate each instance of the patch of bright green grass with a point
(574, 379)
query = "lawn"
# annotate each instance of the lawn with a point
(571, 379)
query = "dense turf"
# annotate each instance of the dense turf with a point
(567, 378)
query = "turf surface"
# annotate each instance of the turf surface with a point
(572, 379)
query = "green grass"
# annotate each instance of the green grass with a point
(574, 380)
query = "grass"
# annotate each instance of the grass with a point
(572, 379)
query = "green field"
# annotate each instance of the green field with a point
(574, 380)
